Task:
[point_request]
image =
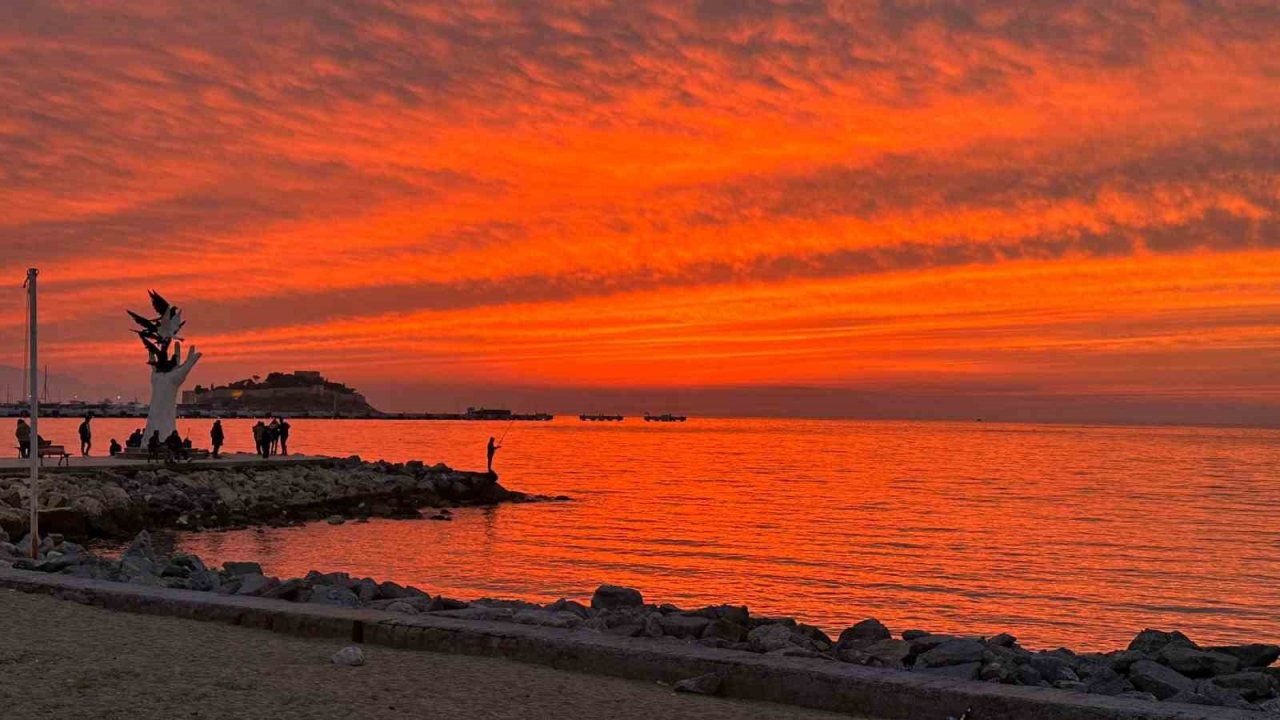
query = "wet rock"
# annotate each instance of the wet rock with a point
(335, 520)
(1161, 681)
(862, 634)
(350, 656)
(1151, 642)
(612, 597)
(952, 652)
(708, 684)
(1198, 663)
(1254, 655)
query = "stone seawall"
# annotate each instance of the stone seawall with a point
(117, 502)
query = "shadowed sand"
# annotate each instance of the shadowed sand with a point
(64, 660)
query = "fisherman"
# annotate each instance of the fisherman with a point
(284, 436)
(23, 433)
(493, 448)
(216, 437)
(86, 436)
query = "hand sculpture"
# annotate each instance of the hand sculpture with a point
(168, 372)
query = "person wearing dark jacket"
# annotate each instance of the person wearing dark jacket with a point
(284, 436)
(86, 436)
(153, 446)
(115, 448)
(216, 437)
(23, 434)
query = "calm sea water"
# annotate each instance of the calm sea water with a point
(1064, 535)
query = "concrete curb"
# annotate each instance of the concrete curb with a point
(817, 684)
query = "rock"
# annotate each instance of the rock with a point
(1151, 642)
(612, 597)
(1139, 695)
(653, 626)
(400, 606)
(733, 613)
(960, 671)
(1270, 706)
(288, 590)
(768, 638)
(1254, 655)
(1198, 663)
(573, 606)
(888, 653)
(548, 618)
(1189, 697)
(1053, 669)
(683, 626)
(1121, 661)
(333, 595)
(366, 590)
(242, 568)
(350, 656)
(335, 520)
(256, 584)
(1223, 696)
(862, 634)
(924, 643)
(708, 684)
(388, 590)
(1028, 675)
(1251, 685)
(1159, 680)
(1002, 640)
(1107, 682)
(952, 652)
(204, 580)
(441, 603)
(724, 629)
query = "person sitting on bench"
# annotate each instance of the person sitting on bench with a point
(115, 448)
(153, 446)
(134, 440)
(173, 444)
(23, 433)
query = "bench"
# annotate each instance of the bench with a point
(58, 451)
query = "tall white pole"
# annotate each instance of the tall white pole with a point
(34, 453)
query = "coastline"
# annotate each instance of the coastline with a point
(115, 500)
(1156, 666)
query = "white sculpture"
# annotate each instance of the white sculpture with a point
(168, 372)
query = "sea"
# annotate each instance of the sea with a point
(1064, 535)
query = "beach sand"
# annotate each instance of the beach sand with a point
(62, 660)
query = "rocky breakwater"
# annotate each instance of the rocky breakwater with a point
(118, 502)
(1156, 666)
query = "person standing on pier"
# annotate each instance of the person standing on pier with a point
(153, 446)
(260, 439)
(86, 436)
(283, 430)
(216, 437)
(23, 433)
(493, 448)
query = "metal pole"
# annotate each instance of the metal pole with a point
(34, 454)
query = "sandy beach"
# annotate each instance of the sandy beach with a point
(63, 660)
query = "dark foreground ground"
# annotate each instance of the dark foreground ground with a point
(64, 660)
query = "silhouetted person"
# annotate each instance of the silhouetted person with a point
(86, 436)
(216, 437)
(115, 448)
(23, 434)
(173, 444)
(283, 430)
(153, 446)
(260, 439)
(135, 439)
(493, 448)
(273, 435)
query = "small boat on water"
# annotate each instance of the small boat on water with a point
(666, 417)
(600, 418)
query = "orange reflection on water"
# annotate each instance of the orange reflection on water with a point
(1063, 535)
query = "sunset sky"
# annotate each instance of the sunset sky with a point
(913, 209)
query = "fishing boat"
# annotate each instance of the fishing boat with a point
(665, 417)
(600, 418)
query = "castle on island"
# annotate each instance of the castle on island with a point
(299, 393)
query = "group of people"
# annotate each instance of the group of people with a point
(271, 439)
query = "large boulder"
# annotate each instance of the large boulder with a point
(888, 653)
(952, 652)
(1163, 682)
(683, 626)
(862, 634)
(1252, 685)
(612, 597)
(724, 629)
(1053, 668)
(1253, 655)
(778, 636)
(254, 585)
(1198, 663)
(1151, 642)
(242, 568)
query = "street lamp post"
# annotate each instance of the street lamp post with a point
(33, 453)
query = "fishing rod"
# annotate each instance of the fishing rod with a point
(510, 422)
